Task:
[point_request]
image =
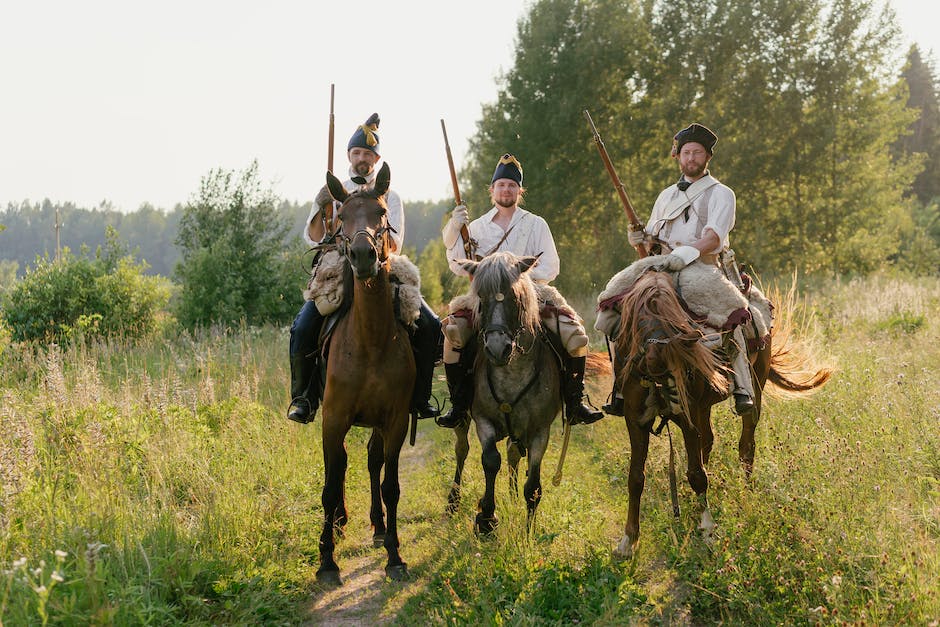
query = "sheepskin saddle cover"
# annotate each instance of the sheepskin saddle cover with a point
(325, 287)
(707, 293)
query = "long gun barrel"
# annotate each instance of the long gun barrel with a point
(328, 218)
(469, 245)
(634, 221)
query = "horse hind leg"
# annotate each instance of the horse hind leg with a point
(696, 474)
(513, 456)
(461, 450)
(396, 569)
(747, 446)
(533, 485)
(376, 459)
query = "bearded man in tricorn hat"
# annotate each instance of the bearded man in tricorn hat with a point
(690, 222)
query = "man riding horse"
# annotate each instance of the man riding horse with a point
(507, 227)
(690, 224)
(363, 154)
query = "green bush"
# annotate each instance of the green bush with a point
(102, 296)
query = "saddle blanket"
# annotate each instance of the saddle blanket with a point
(707, 293)
(325, 287)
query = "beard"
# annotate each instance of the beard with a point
(506, 204)
(362, 169)
(693, 170)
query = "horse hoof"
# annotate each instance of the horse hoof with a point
(625, 550)
(329, 578)
(378, 541)
(398, 572)
(485, 527)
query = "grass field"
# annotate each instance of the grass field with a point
(160, 483)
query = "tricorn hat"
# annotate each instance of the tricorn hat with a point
(366, 136)
(694, 133)
(508, 168)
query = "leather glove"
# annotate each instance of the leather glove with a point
(323, 198)
(458, 217)
(636, 237)
(680, 258)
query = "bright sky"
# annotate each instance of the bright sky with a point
(134, 102)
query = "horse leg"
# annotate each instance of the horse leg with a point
(533, 485)
(486, 519)
(335, 460)
(747, 445)
(461, 450)
(695, 473)
(376, 459)
(639, 449)
(395, 568)
(513, 456)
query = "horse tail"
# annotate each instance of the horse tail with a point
(795, 371)
(598, 364)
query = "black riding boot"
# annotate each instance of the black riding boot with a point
(304, 389)
(424, 343)
(460, 384)
(578, 411)
(615, 407)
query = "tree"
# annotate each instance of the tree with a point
(923, 134)
(800, 92)
(233, 261)
(106, 295)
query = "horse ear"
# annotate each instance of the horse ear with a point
(469, 266)
(527, 263)
(337, 191)
(382, 179)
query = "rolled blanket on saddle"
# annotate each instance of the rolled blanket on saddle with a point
(325, 287)
(557, 317)
(710, 298)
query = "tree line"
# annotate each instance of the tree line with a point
(829, 135)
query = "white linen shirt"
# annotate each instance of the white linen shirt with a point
(530, 235)
(396, 212)
(719, 203)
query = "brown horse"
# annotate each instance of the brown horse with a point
(517, 384)
(667, 370)
(369, 377)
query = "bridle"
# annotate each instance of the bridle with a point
(377, 240)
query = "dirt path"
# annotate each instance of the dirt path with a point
(365, 598)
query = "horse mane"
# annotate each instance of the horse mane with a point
(650, 304)
(499, 269)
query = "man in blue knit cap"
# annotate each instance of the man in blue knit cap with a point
(363, 153)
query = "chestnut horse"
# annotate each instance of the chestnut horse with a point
(517, 382)
(669, 371)
(370, 373)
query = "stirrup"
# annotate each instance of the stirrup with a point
(301, 411)
(452, 419)
(614, 407)
(743, 403)
(581, 414)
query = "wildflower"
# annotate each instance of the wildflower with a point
(61, 554)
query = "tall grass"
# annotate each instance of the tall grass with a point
(161, 484)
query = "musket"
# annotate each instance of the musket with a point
(469, 244)
(634, 221)
(328, 210)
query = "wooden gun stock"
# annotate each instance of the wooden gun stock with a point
(469, 245)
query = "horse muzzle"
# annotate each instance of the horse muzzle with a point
(498, 345)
